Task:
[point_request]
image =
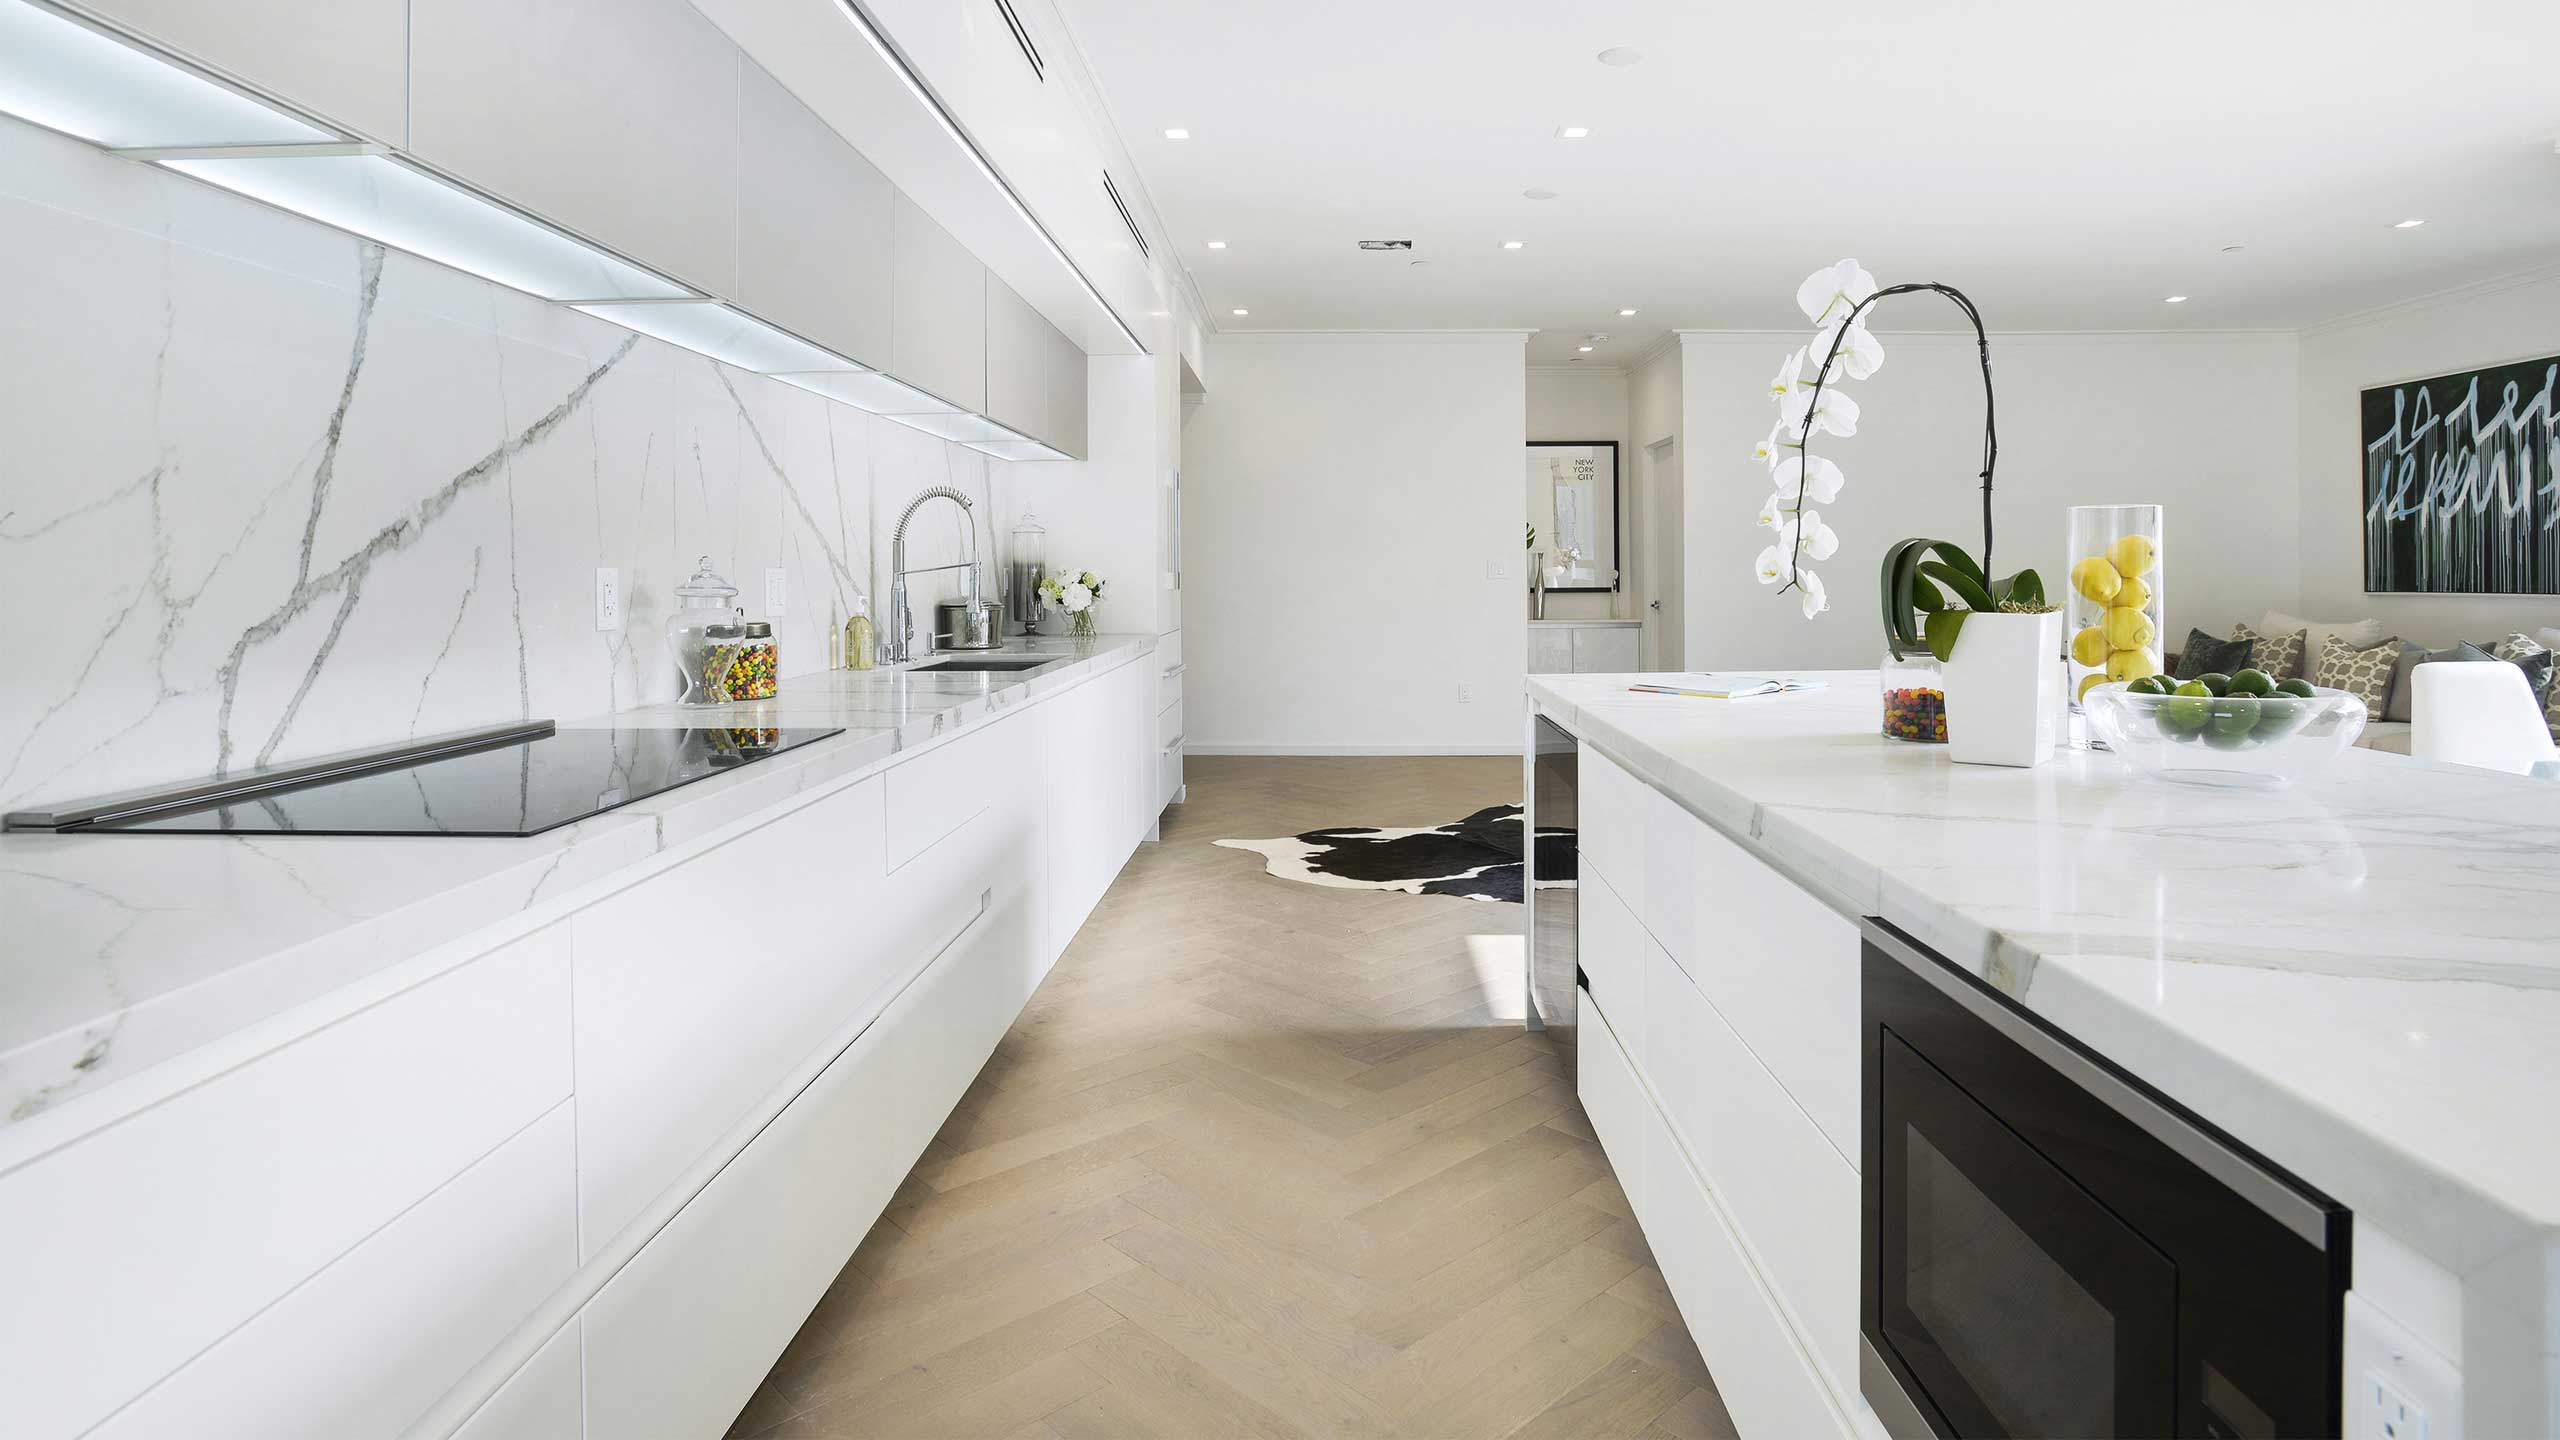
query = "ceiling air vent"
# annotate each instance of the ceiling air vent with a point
(1125, 217)
(1022, 37)
(1386, 244)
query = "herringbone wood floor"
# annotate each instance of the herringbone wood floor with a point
(1261, 1159)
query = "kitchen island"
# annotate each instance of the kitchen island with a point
(327, 1135)
(2358, 977)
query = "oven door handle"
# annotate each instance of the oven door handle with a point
(2218, 1156)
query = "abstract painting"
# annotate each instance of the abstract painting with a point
(2462, 483)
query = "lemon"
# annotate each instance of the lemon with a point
(2129, 629)
(2097, 579)
(2091, 680)
(2133, 554)
(2133, 663)
(2133, 594)
(2090, 647)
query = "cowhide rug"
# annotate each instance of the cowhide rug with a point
(1478, 857)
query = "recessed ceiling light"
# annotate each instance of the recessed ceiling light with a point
(1626, 312)
(2177, 299)
(1573, 132)
(1585, 349)
(1217, 244)
(2408, 224)
(1239, 312)
(1513, 244)
(1621, 55)
(1177, 133)
(1540, 192)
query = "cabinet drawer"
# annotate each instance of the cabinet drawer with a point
(546, 1400)
(1169, 669)
(1606, 1084)
(1780, 966)
(1786, 1189)
(1169, 725)
(372, 1340)
(934, 793)
(1611, 813)
(1168, 775)
(161, 1234)
(1610, 948)
(1759, 1369)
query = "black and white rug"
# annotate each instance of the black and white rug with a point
(1478, 857)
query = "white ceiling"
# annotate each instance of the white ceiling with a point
(2067, 163)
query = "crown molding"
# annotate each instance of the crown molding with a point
(2472, 290)
(1372, 337)
(1669, 342)
(1575, 372)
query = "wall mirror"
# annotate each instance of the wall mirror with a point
(1573, 507)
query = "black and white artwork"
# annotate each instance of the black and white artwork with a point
(2462, 483)
(1573, 507)
(1478, 857)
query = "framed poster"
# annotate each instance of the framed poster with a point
(2461, 484)
(1573, 506)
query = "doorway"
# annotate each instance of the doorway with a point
(1660, 597)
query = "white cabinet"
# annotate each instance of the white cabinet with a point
(139, 1245)
(1017, 362)
(1563, 647)
(815, 226)
(939, 339)
(616, 118)
(344, 60)
(546, 1400)
(1065, 374)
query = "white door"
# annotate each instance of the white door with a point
(1662, 557)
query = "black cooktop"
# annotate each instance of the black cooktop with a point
(521, 788)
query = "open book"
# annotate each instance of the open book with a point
(1717, 685)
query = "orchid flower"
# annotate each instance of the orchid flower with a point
(1818, 478)
(1767, 450)
(1860, 355)
(1815, 602)
(1798, 415)
(1838, 290)
(1790, 376)
(1810, 536)
(1777, 509)
(1770, 566)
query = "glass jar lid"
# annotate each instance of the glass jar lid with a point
(705, 585)
(759, 629)
(723, 631)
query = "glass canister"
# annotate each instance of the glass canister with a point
(1026, 565)
(721, 646)
(752, 676)
(703, 601)
(1915, 698)
(2116, 612)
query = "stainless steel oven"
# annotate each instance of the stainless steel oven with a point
(2052, 1248)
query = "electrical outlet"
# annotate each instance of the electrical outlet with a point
(1466, 693)
(1497, 569)
(608, 599)
(2389, 1413)
(2399, 1387)
(773, 595)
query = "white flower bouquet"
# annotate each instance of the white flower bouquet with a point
(1076, 592)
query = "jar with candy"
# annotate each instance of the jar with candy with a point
(721, 645)
(702, 602)
(752, 673)
(1915, 698)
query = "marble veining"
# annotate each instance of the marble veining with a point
(2358, 975)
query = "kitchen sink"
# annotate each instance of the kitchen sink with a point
(997, 663)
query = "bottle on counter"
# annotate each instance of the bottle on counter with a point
(858, 653)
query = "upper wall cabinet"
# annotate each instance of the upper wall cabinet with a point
(1035, 375)
(940, 342)
(346, 60)
(1065, 376)
(616, 118)
(816, 226)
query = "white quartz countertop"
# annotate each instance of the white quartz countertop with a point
(2358, 975)
(120, 951)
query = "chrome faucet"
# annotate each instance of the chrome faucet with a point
(896, 645)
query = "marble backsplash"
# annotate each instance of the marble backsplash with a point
(268, 490)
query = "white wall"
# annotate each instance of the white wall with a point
(2203, 424)
(1343, 497)
(2484, 325)
(1574, 402)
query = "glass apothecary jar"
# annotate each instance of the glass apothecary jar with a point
(1026, 566)
(2114, 594)
(703, 601)
(752, 676)
(722, 644)
(1915, 698)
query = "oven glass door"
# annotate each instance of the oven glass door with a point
(2019, 1304)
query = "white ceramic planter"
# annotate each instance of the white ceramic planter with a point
(2004, 699)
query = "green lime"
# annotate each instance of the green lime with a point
(2215, 683)
(2298, 688)
(2253, 682)
(2193, 687)
(2229, 739)
(2184, 714)
(2147, 685)
(2277, 716)
(2236, 716)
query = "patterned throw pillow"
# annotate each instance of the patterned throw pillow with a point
(2205, 655)
(2365, 674)
(2520, 651)
(2279, 655)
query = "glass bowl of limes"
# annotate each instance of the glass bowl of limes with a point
(2242, 729)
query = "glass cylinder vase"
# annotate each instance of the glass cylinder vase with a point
(2114, 588)
(1915, 698)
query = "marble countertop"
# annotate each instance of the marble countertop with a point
(121, 951)
(2359, 975)
(1597, 620)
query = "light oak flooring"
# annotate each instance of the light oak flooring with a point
(1261, 1159)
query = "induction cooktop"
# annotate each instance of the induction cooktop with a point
(521, 780)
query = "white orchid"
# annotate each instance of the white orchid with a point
(1808, 535)
(1840, 289)
(1777, 509)
(1833, 413)
(1770, 566)
(1816, 478)
(1766, 452)
(1810, 586)
(1790, 376)
(1860, 355)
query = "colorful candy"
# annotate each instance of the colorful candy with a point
(1916, 714)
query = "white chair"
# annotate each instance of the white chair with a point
(2477, 714)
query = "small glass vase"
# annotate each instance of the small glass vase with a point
(1915, 698)
(2114, 585)
(1080, 624)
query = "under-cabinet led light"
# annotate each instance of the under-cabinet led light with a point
(872, 391)
(957, 425)
(732, 337)
(61, 74)
(1018, 449)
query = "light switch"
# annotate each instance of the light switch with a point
(608, 599)
(773, 594)
(1497, 569)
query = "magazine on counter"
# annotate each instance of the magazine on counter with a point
(1723, 685)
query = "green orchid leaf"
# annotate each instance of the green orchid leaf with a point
(1925, 597)
(1971, 591)
(2027, 588)
(1897, 591)
(1955, 555)
(1944, 626)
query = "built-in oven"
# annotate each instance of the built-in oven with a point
(2053, 1248)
